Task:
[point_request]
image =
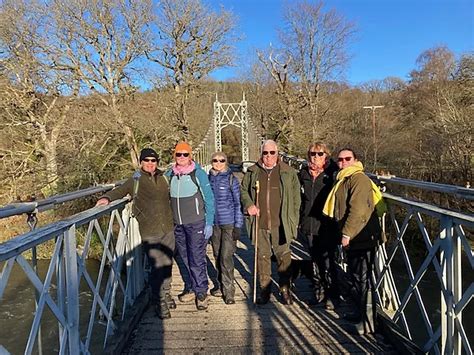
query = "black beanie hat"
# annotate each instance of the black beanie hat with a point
(148, 153)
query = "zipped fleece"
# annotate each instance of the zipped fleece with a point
(355, 212)
(151, 205)
(191, 203)
(290, 201)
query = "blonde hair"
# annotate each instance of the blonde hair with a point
(321, 146)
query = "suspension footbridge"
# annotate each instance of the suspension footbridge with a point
(425, 299)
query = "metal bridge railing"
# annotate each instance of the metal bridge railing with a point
(119, 282)
(425, 297)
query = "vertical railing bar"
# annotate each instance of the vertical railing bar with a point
(61, 299)
(457, 288)
(32, 220)
(72, 289)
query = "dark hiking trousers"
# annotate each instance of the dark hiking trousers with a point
(268, 241)
(223, 248)
(160, 251)
(191, 246)
(360, 264)
(324, 253)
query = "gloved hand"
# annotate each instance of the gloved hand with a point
(236, 233)
(207, 232)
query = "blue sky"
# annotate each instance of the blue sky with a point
(391, 33)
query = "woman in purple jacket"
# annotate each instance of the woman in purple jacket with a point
(228, 220)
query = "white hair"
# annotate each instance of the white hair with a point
(268, 141)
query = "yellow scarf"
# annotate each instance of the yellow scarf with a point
(356, 168)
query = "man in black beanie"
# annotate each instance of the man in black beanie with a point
(151, 207)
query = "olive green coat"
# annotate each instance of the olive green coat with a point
(290, 203)
(151, 205)
(355, 212)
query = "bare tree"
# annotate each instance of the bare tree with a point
(100, 44)
(277, 66)
(191, 41)
(33, 94)
(317, 43)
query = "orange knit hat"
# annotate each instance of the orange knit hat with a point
(184, 146)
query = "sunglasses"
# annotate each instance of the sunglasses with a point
(344, 158)
(313, 154)
(218, 160)
(150, 160)
(182, 155)
(271, 152)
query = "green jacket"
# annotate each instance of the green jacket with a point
(355, 212)
(151, 205)
(291, 198)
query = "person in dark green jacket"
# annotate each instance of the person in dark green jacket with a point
(351, 203)
(151, 207)
(277, 208)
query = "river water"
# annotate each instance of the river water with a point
(17, 308)
(17, 311)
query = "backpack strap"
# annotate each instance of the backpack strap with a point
(136, 182)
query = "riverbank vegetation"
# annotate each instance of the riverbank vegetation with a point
(85, 85)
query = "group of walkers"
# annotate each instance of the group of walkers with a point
(322, 207)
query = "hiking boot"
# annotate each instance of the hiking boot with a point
(229, 299)
(264, 295)
(170, 301)
(329, 305)
(286, 296)
(186, 296)
(319, 295)
(162, 310)
(216, 292)
(201, 301)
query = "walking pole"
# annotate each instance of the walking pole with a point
(257, 188)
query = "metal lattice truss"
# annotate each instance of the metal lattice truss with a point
(229, 114)
(444, 251)
(112, 295)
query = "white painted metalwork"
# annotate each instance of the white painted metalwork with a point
(59, 290)
(229, 114)
(443, 233)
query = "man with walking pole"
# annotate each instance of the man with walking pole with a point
(277, 207)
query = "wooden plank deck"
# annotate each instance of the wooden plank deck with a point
(243, 328)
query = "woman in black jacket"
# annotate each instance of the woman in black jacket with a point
(316, 231)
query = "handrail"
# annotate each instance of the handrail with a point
(18, 208)
(112, 297)
(458, 191)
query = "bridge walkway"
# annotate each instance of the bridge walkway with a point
(245, 328)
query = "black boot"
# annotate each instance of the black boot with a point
(286, 297)
(264, 295)
(170, 301)
(162, 310)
